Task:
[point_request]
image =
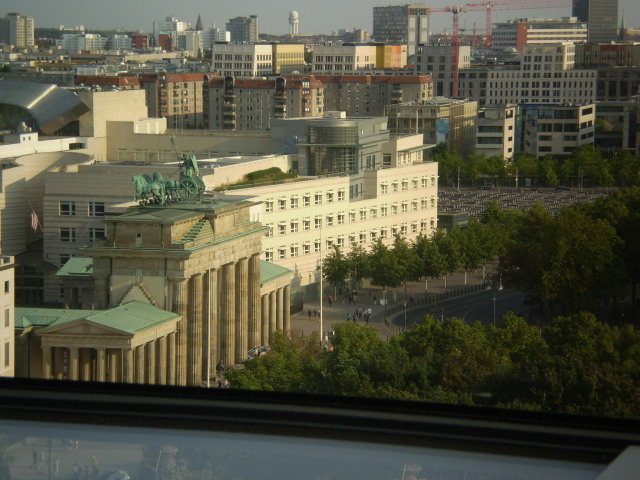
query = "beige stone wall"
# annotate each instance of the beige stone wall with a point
(109, 106)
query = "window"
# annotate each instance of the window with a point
(96, 209)
(330, 197)
(414, 227)
(96, 234)
(7, 286)
(294, 250)
(414, 183)
(363, 237)
(306, 225)
(329, 221)
(282, 204)
(424, 182)
(383, 211)
(394, 187)
(270, 231)
(384, 233)
(433, 181)
(294, 202)
(373, 213)
(317, 246)
(423, 203)
(352, 217)
(67, 234)
(7, 354)
(394, 209)
(433, 202)
(269, 255)
(68, 208)
(318, 223)
(405, 206)
(341, 195)
(318, 199)
(306, 249)
(282, 253)
(282, 229)
(405, 185)
(414, 206)
(352, 238)
(340, 218)
(363, 215)
(383, 188)
(269, 206)
(306, 200)
(7, 317)
(403, 229)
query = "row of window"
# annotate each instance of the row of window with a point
(296, 250)
(68, 234)
(68, 208)
(404, 185)
(307, 198)
(296, 225)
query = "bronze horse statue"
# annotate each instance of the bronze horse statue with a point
(145, 186)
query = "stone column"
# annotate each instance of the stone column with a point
(255, 332)
(279, 310)
(112, 365)
(86, 362)
(46, 362)
(139, 377)
(128, 367)
(264, 327)
(210, 326)
(150, 362)
(58, 362)
(272, 313)
(227, 314)
(161, 362)
(101, 364)
(101, 293)
(74, 363)
(180, 307)
(287, 309)
(171, 359)
(194, 347)
(242, 302)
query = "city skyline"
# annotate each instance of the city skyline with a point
(273, 17)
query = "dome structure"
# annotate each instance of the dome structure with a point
(293, 23)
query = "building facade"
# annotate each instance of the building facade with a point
(440, 120)
(608, 55)
(288, 58)
(529, 31)
(17, 30)
(169, 26)
(7, 325)
(497, 130)
(343, 59)
(244, 29)
(601, 17)
(402, 24)
(437, 60)
(242, 59)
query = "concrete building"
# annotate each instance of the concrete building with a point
(288, 58)
(531, 31)
(592, 55)
(140, 41)
(546, 74)
(343, 59)
(369, 94)
(191, 42)
(555, 129)
(602, 19)
(17, 30)
(437, 60)
(617, 126)
(617, 83)
(406, 24)
(178, 97)
(496, 126)
(7, 324)
(244, 29)
(245, 104)
(82, 42)
(294, 23)
(120, 42)
(213, 35)
(440, 119)
(170, 25)
(242, 59)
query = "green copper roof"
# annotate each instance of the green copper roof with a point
(82, 266)
(45, 317)
(270, 271)
(132, 317)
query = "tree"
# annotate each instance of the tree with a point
(335, 267)
(450, 250)
(430, 261)
(383, 271)
(526, 164)
(473, 166)
(547, 172)
(358, 263)
(449, 166)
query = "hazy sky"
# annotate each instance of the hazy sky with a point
(317, 16)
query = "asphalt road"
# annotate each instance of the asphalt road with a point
(473, 307)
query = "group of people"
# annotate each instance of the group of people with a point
(315, 313)
(359, 313)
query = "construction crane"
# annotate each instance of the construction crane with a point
(488, 7)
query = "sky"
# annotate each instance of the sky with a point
(316, 16)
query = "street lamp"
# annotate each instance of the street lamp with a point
(496, 285)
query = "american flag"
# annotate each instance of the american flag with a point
(35, 222)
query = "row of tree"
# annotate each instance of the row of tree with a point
(575, 365)
(584, 258)
(586, 166)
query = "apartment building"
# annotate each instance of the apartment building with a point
(82, 42)
(402, 24)
(617, 83)
(179, 97)
(288, 58)
(242, 59)
(608, 55)
(391, 56)
(343, 59)
(437, 60)
(17, 30)
(369, 94)
(531, 31)
(617, 126)
(7, 320)
(441, 119)
(496, 126)
(546, 74)
(250, 104)
(170, 25)
(555, 129)
(244, 29)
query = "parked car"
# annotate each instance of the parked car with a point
(486, 186)
(257, 352)
(562, 187)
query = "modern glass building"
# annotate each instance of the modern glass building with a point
(602, 17)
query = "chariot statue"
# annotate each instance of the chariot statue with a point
(190, 185)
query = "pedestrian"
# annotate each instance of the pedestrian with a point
(76, 471)
(315, 313)
(219, 383)
(359, 312)
(56, 467)
(309, 312)
(330, 299)
(355, 316)
(40, 459)
(226, 383)
(94, 466)
(348, 317)
(366, 319)
(34, 463)
(375, 299)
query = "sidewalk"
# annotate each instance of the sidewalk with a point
(337, 312)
